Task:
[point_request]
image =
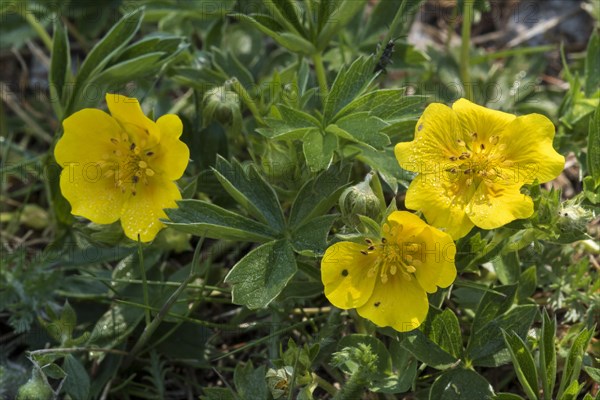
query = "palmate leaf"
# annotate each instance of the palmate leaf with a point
(290, 124)
(260, 276)
(524, 365)
(361, 128)
(350, 82)
(318, 148)
(208, 220)
(459, 384)
(59, 67)
(251, 191)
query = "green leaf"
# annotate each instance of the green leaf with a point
(251, 191)
(293, 124)
(384, 162)
(384, 360)
(527, 283)
(361, 128)
(460, 384)
(548, 354)
(387, 104)
(336, 20)
(208, 220)
(574, 360)
(77, 383)
(318, 149)
(507, 396)
(493, 304)
(487, 342)
(260, 276)
(445, 331)
(131, 69)
(593, 147)
(284, 11)
(350, 82)
(523, 362)
(427, 351)
(250, 382)
(216, 393)
(594, 373)
(310, 239)
(59, 67)
(592, 65)
(115, 326)
(507, 267)
(290, 41)
(158, 42)
(107, 48)
(319, 194)
(572, 391)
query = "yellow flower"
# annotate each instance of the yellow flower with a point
(472, 162)
(122, 166)
(387, 280)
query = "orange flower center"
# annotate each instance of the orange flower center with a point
(394, 256)
(129, 162)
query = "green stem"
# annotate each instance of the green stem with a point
(151, 328)
(326, 386)
(144, 282)
(241, 91)
(38, 28)
(400, 14)
(321, 75)
(353, 388)
(465, 72)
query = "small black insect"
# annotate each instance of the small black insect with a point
(386, 57)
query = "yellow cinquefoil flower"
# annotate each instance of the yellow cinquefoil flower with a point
(122, 166)
(387, 280)
(472, 162)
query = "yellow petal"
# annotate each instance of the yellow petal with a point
(129, 114)
(435, 141)
(86, 138)
(442, 206)
(494, 205)
(91, 195)
(483, 121)
(171, 155)
(398, 303)
(345, 274)
(411, 224)
(529, 152)
(437, 267)
(141, 213)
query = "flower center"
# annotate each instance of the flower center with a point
(128, 162)
(393, 255)
(479, 160)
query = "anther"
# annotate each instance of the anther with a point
(142, 164)
(482, 146)
(149, 172)
(114, 141)
(452, 170)
(371, 248)
(474, 135)
(132, 146)
(494, 139)
(135, 179)
(150, 153)
(393, 269)
(383, 240)
(364, 252)
(452, 158)
(369, 241)
(464, 156)
(468, 171)
(411, 269)
(461, 142)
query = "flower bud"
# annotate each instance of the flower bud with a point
(359, 199)
(34, 216)
(572, 218)
(278, 381)
(36, 388)
(222, 105)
